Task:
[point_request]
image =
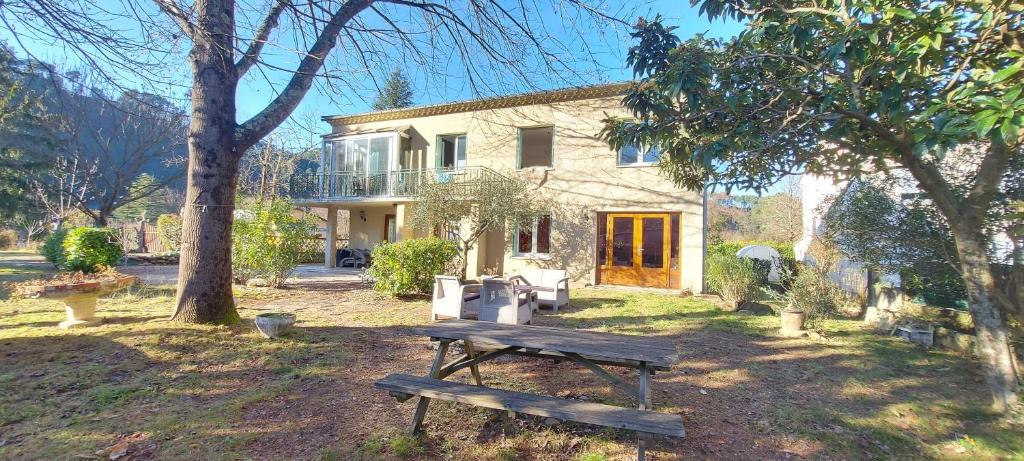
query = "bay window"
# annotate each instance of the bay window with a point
(364, 154)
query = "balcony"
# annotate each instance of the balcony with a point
(347, 185)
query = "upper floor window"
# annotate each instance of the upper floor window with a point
(632, 155)
(451, 151)
(534, 240)
(362, 154)
(536, 147)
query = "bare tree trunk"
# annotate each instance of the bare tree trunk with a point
(989, 325)
(101, 218)
(465, 261)
(204, 290)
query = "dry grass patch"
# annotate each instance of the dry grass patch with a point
(168, 391)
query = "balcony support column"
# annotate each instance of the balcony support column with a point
(404, 231)
(331, 237)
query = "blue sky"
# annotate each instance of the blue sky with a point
(608, 50)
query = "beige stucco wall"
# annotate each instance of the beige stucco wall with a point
(584, 180)
(369, 232)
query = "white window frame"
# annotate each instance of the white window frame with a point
(639, 157)
(533, 254)
(330, 158)
(460, 139)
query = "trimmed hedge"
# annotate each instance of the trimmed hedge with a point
(409, 266)
(87, 249)
(168, 230)
(53, 247)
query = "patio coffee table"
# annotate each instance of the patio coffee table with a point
(484, 341)
(530, 292)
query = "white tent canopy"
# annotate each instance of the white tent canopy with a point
(764, 253)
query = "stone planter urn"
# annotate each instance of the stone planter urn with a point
(272, 325)
(792, 322)
(79, 298)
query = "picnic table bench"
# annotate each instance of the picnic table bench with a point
(484, 341)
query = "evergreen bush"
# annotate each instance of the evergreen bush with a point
(168, 230)
(53, 248)
(736, 280)
(87, 249)
(409, 266)
(268, 242)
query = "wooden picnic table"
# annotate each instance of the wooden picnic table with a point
(484, 341)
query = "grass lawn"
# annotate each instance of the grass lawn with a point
(164, 391)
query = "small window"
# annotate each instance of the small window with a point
(534, 240)
(536, 147)
(630, 155)
(452, 152)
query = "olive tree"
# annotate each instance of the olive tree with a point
(842, 88)
(467, 211)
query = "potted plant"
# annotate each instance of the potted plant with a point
(272, 325)
(79, 292)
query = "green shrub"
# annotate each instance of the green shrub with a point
(88, 248)
(942, 288)
(53, 247)
(168, 230)
(8, 239)
(785, 251)
(812, 291)
(736, 280)
(409, 266)
(267, 242)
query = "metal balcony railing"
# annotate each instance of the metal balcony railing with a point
(349, 185)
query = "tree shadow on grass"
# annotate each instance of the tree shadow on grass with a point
(225, 392)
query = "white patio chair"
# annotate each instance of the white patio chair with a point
(555, 280)
(500, 303)
(452, 299)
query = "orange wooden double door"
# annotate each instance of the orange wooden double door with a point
(638, 249)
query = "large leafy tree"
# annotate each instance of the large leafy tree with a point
(778, 217)
(845, 87)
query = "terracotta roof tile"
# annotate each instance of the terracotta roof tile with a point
(499, 102)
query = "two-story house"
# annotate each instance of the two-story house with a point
(618, 221)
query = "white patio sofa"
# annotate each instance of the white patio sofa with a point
(452, 299)
(556, 280)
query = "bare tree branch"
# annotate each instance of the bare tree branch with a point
(179, 16)
(270, 22)
(278, 110)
